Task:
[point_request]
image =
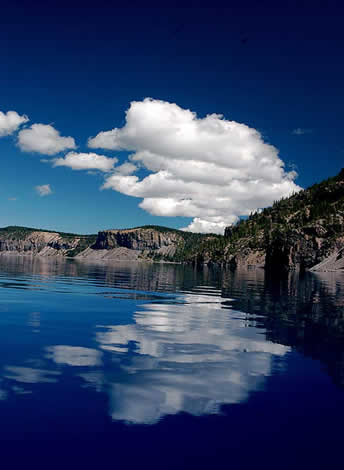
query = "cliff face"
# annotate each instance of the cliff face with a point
(144, 243)
(304, 248)
(18, 240)
(132, 244)
(137, 239)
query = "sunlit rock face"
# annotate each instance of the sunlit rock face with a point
(140, 241)
(190, 357)
(136, 239)
(38, 243)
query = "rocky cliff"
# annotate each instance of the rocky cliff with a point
(150, 242)
(27, 241)
(143, 239)
(300, 232)
(137, 243)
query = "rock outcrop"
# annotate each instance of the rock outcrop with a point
(131, 244)
(24, 241)
(304, 248)
(334, 262)
(138, 239)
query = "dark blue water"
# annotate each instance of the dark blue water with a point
(165, 366)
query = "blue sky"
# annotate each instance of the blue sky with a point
(277, 69)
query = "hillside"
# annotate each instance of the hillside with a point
(295, 233)
(32, 241)
(148, 242)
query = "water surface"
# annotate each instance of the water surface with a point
(165, 366)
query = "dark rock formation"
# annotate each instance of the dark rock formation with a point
(137, 239)
(301, 249)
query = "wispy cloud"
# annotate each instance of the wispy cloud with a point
(44, 190)
(301, 131)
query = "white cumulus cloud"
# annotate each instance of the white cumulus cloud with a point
(86, 161)
(45, 139)
(44, 190)
(211, 169)
(10, 122)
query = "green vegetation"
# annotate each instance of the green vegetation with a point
(158, 228)
(322, 203)
(192, 247)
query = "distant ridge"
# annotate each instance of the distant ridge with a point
(150, 242)
(303, 232)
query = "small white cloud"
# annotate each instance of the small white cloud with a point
(45, 139)
(44, 190)
(12, 198)
(300, 131)
(209, 226)
(86, 161)
(10, 122)
(211, 169)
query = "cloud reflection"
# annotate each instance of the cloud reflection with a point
(188, 357)
(74, 355)
(30, 376)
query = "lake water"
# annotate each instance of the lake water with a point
(165, 366)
